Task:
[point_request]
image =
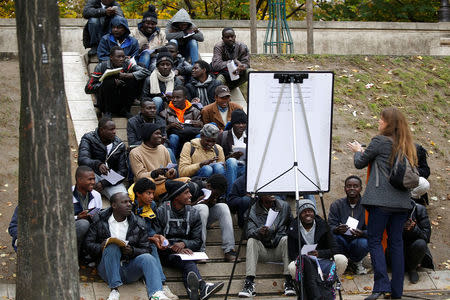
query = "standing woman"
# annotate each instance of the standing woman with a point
(387, 205)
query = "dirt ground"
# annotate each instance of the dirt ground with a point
(428, 130)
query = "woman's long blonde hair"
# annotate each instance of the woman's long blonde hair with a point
(397, 128)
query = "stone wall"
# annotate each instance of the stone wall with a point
(340, 38)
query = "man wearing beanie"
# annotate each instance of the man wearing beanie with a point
(234, 144)
(313, 230)
(162, 81)
(180, 224)
(149, 160)
(266, 243)
(149, 36)
(202, 156)
(220, 111)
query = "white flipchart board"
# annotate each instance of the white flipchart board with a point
(263, 93)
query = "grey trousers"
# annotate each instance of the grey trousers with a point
(257, 252)
(81, 228)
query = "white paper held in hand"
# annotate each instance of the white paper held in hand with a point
(352, 223)
(271, 216)
(193, 256)
(231, 66)
(308, 248)
(112, 177)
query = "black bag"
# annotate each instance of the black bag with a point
(403, 175)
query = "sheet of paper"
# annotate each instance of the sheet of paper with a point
(308, 248)
(194, 256)
(271, 216)
(110, 72)
(113, 177)
(188, 35)
(171, 166)
(207, 193)
(231, 68)
(240, 149)
(352, 223)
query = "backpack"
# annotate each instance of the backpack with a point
(403, 176)
(216, 151)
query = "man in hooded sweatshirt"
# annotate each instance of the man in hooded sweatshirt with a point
(119, 36)
(149, 36)
(202, 86)
(182, 31)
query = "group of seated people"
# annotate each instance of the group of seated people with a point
(148, 64)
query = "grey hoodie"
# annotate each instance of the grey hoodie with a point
(174, 33)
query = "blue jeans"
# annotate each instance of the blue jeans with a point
(115, 274)
(174, 144)
(159, 103)
(234, 169)
(145, 58)
(174, 261)
(355, 249)
(208, 170)
(379, 220)
(240, 204)
(97, 28)
(158, 262)
(172, 155)
(189, 50)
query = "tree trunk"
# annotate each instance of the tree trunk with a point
(309, 27)
(253, 31)
(47, 257)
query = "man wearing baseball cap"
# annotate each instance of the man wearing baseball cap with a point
(220, 111)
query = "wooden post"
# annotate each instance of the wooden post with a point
(253, 31)
(47, 257)
(309, 27)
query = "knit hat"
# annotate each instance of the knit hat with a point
(151, 14)
(304, 204)
(175, 188)
(222, 91)
(238, 116)
(164, 55)
(210, 131)
(147, 129)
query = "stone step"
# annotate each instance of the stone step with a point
(222, 271)
(214, 235)
(445, 41)
(215, 252)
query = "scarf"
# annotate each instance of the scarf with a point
(156, 77)
(180, 112)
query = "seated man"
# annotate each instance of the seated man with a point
(202, 86)
(142, 194)
(202, 156)
(12, 229)
(239, 200)
(86, 202)
(234, 143)
(149, 36)
(150, 159)
(416, 235)
(220, 111)
(267, 243)
(103, 151)
(180, 224)
(313, 230)
(99, 14)
(130, 261)
(181, 67)
(354, 243)
(211, 210)
(162, 81)
(182, 119)
(115, 94)
(229, 50)
(182, 31)
(119, 36)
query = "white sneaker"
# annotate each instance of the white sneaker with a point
(160, 295)
(114, 295)
(360, 270)
(169, 293)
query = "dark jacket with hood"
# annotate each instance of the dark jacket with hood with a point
(326, 244)
(223, 54)
(422, 230)
(94, 84)
(174, 33)
(203, 90)
(180, 64)
(137, 236)
(192, 113)
(162, 87)
(257, 219)
(94, 9)
(129, 45)
(179, 226)
(92, 153)
(339, 212)
(134, 128)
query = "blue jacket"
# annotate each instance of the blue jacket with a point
(130, 45)
(12, 229)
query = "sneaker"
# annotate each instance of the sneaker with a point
(193, 284)
(289, 289)
(169, 293)
(114, 295)
(231, 256)
(210, 289)
(360, 270)
(413, 276)
(92, 51)
(160, 295)
(248, 290)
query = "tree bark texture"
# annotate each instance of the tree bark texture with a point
(309, 27)
(47, 257)
(253, 32)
